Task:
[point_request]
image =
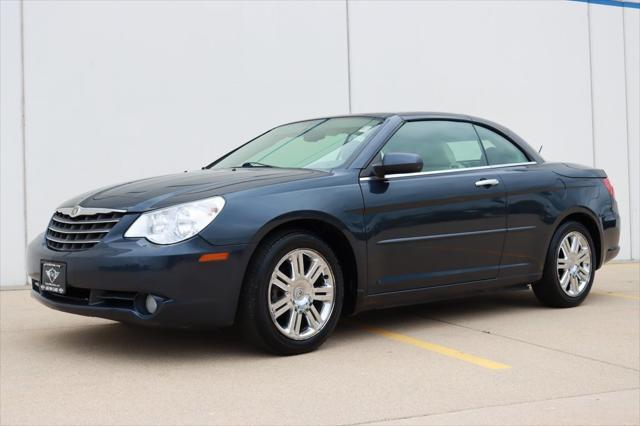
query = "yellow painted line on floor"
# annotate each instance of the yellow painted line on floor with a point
(614, 294)
(433, 347)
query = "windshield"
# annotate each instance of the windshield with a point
(315, 144)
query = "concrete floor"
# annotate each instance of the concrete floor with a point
(500, 359)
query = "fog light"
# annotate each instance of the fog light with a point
(151, 304)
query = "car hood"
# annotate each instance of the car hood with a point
(156, 192)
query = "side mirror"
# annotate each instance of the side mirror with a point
(398, 162)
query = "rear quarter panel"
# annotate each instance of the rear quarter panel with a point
(542, 196)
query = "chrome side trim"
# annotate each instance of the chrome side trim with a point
(438, 236)
(416, 174)
(86, 211)
(454, 235)
(521, 228)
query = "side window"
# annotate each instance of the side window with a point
(467, 152)
(498, 149)
(442, 145)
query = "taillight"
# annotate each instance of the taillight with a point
(607, 184)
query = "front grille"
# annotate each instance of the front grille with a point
(67, 233)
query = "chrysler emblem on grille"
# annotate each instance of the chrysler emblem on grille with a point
(76, 211)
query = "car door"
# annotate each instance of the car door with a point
(534, 193)
(443, 225)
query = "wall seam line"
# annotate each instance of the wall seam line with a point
(626, 118)
(23, 125)
(346, 4)
(593, 123)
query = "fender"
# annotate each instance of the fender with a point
(581, 209)
(357, 245)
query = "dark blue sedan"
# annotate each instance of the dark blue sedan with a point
(331, 216)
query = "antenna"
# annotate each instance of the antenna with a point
(540, 149)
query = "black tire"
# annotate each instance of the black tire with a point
(549, 289)
(254, 314)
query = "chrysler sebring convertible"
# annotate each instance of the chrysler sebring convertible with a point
(328, 217)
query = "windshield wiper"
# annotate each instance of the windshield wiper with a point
(255, 164)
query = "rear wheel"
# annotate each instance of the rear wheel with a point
(569, 269)
(293, 293)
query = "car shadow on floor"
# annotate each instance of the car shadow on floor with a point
(115, 340)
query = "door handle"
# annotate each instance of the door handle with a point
(487, 182)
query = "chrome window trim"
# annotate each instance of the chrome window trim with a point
(435, 172)
(86, 211)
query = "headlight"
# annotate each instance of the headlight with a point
(176, 223)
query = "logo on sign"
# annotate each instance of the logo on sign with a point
(52, 273)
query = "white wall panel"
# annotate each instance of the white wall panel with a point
(123, 90)
(609, 107)
(12, 259)
(632, 60)
(522, 64)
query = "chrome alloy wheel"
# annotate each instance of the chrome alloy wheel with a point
(301, 294)
(574, 263)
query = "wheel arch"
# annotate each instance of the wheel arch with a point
(590, 221)
(334, 233)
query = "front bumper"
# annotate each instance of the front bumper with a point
(111, 280)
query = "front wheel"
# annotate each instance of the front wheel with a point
(293, 293)
(569, 268)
